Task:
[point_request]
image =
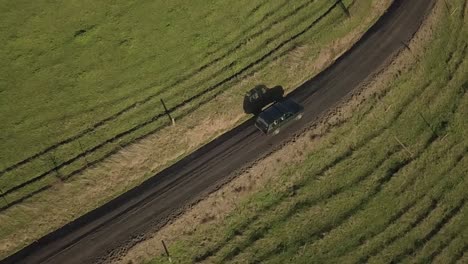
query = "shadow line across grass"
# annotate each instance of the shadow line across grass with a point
(137, 127)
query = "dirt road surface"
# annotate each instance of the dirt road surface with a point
(111, 229)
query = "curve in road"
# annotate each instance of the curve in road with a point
(121, 223)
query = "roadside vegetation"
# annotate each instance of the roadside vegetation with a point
(388, 185)
(79, 86)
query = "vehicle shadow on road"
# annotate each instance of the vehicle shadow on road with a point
(260, 96)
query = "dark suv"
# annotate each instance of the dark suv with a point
(278, 115)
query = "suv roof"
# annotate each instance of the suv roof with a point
(277, 115)
(277, 110)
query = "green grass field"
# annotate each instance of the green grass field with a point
(84, 82)
(80, 84)
(387, 186)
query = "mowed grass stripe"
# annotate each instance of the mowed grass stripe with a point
(81, 155)
(300, 15)
(172, 84)
(340, 159)
(285, 197)
(303, 201)
(369, 238)
(139, 103)
(454, 250)
(315, 250)
(315, 257)
(67, 176)
(131, 107)
(287, 215)
(276, 213)
(435, 152)
(433, 247)
(433, 164)
(363, 235)
(329, 227)
(304, 204)
(423, 232)
(253, 20)
(418, 196)
(288, 209)
(463, 153)
(315, 226)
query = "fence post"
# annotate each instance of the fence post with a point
(167, 112)
(167, 251)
